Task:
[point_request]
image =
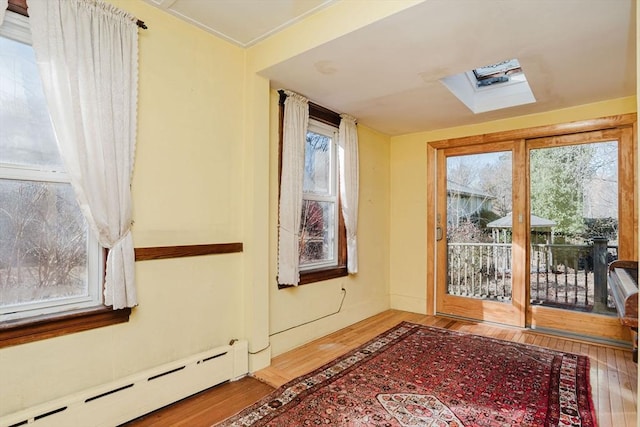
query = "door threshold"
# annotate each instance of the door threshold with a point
(605, 342)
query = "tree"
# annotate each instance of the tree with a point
(312, 236)
(559, 177)
(496, 179)
(462, 171)
(43, 241)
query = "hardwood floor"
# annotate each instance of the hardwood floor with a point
(613, 372)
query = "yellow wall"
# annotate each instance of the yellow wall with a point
(408, 192)
(203, 174)
(187, 189)
(367, 293)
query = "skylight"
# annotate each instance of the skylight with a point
(491, 87)
(496, 73)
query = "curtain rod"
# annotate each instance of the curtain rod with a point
(20, 7)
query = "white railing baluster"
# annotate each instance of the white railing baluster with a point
(483, 270)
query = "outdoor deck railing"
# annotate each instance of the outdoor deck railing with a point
(567, 276)
(480, 270)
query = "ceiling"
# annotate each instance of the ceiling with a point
(387, 74)
(242, 22)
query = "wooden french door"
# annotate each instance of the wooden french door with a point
(606, 160)
(505, 250)
(479, 275)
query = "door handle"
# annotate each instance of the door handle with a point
(438, 233)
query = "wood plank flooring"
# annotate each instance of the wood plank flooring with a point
(613, 372)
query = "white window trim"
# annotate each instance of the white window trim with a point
(16, 27)
(331, 132)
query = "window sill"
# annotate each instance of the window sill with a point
(23, 331)
(319, 275)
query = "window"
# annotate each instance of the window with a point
(49, 262)
(322, 233)
(51, 266)
(319, 219)
(496, 73)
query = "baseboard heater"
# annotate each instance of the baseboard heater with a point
(131, 397)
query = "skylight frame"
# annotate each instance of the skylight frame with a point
(514, 91)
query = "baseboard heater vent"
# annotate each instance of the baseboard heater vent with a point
(131, 397)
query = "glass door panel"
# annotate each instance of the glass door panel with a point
(478, 249)
(573, 225)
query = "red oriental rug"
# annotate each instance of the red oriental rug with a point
(414, 375)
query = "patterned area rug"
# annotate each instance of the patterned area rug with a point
(414, 375)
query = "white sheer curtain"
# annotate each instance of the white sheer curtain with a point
(87, 53)
(349, 185)
(295, 123)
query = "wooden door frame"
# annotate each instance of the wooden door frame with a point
(625, 123)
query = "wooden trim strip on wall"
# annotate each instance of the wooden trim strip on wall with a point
(165, 252)
(21, 331)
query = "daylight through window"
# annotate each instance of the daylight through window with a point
(319, 218)
(49, 262)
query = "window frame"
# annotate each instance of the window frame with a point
(78, 316)
(312, 275)
(331, 196)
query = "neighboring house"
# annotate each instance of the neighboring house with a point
(464, 202)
